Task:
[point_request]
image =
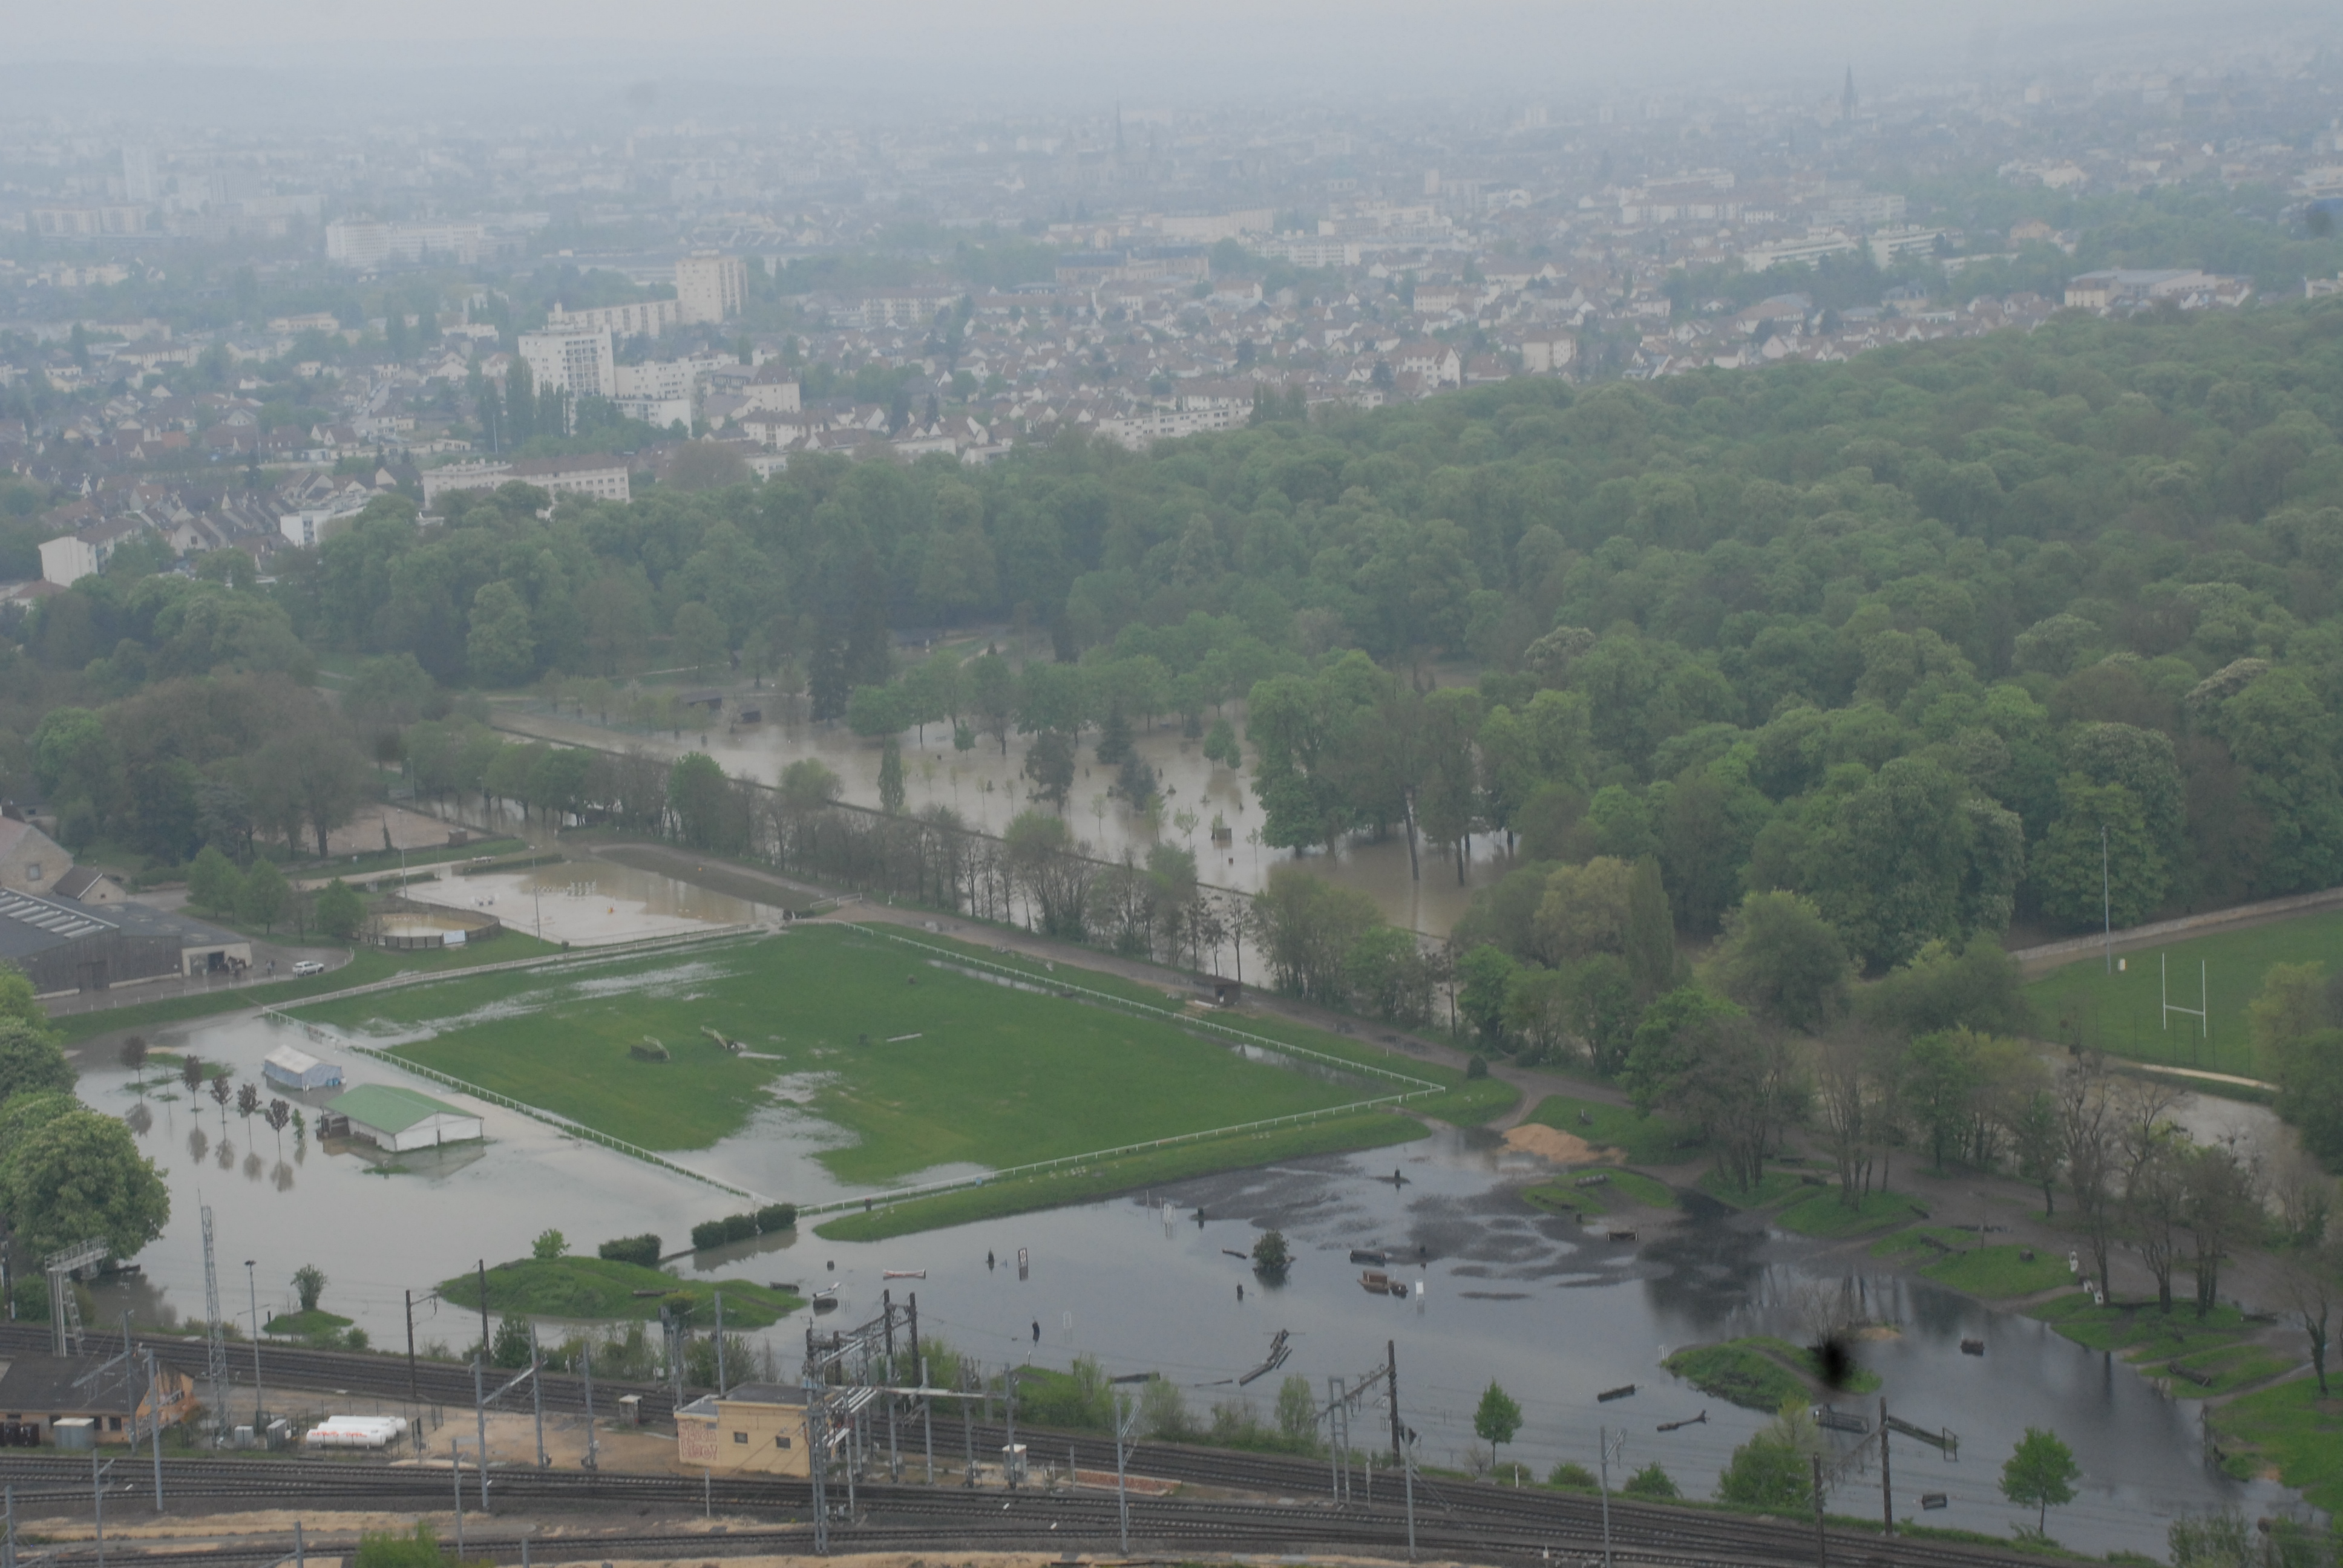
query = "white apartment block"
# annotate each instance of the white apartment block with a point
(644, 318)
(659, 378)
(578, 362)
(603, 478)
(1818, 243)
(66, 560)
(366, 244)
(711, 288)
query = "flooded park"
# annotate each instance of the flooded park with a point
(1143, 1283)
(988, 789)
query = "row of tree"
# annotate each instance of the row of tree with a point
(67, 1173)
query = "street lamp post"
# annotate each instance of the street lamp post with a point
(2106, 905)
(252, 1282)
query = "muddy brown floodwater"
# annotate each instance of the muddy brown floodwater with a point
(988, 790)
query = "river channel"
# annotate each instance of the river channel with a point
(1555, 1314)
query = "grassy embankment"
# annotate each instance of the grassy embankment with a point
(2290, 1426)
(2179, 1348)
(1956, 1258)
(370, 964)
(2119, 1013)
(922, 1064)
(1607, 1128)
(602, 1289)
(1572, 1192)
(1758, 1372)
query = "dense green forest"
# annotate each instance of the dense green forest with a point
(1842, 664)
(1902, 634)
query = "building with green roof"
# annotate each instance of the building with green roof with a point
(400, 1119)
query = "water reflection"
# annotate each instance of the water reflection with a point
(988, 789)
(1560, 1315)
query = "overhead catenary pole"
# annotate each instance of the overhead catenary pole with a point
(1407, 1480)
(483, 1266)
(1602, 1464)
(1390, 1385)
(1123, 1421)
(894, 1452)
(537, 1394)
(593, 1451)
(1886, 1494)
(154, 1414)
(1822, 1542)
(251, 1282)
(720, 1344)
(480, 1415)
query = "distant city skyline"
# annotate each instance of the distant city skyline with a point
(601, 53)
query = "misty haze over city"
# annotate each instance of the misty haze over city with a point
(1048, 775)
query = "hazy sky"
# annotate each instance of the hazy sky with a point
(1139, 49)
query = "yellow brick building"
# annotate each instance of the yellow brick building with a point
(758, 1427)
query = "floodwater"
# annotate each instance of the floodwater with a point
(586, 904)
(988, 790)
(1553, 1314)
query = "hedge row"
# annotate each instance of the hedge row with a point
(643, 1249)
(769, 1221)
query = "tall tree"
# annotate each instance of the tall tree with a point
(2042, 1470)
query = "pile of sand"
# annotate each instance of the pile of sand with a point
(1562, 1147)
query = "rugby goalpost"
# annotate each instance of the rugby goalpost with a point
(2200, 1013)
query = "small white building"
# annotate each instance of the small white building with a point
(288, 1068)
(400, 1119)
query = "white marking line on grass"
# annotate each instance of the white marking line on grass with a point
(555, 1119)
(933, 1189)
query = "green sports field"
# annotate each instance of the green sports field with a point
(921, 1062)
(2118, 1014)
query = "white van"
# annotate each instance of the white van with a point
(308, 967)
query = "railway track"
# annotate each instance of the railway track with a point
(1482, 1518)
(1485, 1523)
(1029, 1522)
(357, 1372)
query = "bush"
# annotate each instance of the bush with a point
(511, 1348)
(340, 912)
(1767, 1473)
(769, 1221)
(1651, 1481)
(548, 1245)
(1478, 1067)
(1577, 1477)
(642, 1250)
(309, 1283)
(391, 1550)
